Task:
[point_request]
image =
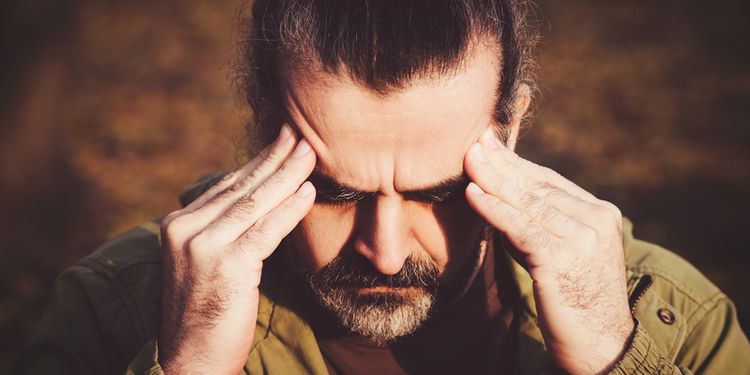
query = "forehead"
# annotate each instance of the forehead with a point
(404, 140)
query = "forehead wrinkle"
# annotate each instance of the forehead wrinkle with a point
(305, 127)
(393, 158)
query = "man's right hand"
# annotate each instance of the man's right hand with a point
(213, 252)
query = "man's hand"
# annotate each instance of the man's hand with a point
(213, 252)
(570, 242)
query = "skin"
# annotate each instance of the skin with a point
(569, 241)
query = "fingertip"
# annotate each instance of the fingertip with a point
(490, 139)
(475, 196)
(477, 154)
(474, 189)
(284, 133)
(307, 189)
(487, 135)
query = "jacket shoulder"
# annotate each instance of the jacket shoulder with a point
(669, 296)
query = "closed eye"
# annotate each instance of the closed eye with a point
(332, 193)
(341, 198)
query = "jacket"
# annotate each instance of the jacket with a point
(103, 316)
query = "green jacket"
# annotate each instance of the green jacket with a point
(103, 317)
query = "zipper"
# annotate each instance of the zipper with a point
(640, 288)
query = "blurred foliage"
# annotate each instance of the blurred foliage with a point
(109, 108)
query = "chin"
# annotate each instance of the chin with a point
(380, 314)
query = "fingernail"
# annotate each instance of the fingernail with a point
(306, 189)
(475, 189)
(497, 143)
(284, 133)
(478, 153)
(491, 140)
(302, 148)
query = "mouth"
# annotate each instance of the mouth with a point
(385, 289)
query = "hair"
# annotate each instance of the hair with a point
(381, 45)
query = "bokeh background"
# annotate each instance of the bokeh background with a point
(109, 108)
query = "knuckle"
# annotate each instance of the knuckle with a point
(613, 209)
(169, 218)
(273, 155)
(238, 186)
(227, 192)
(544, 240)
(527, 183)
(262, 232)
(173, 226)
(532, 237)
(604, 213)
(279, 176)
(529, 200)
(588, 235)
(198, 242)
(496, 205)
(229, 176)
(257, 239)
(547, 213)
(554, 193)
(225, 181)
(244, 207)
(499, 183)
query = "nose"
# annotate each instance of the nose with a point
(383, 234)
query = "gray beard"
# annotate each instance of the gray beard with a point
(382, 317)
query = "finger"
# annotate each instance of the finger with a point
(264, 237)
(245, 211)
(498, 153)
(187, 222)
(527, 235)
(568, 197)
(550, 217)
(266, 162)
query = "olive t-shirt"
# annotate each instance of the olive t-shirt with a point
(474, 334)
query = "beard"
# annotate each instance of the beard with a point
(376, 306)
(380, 307)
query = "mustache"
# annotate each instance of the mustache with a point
(352, 270)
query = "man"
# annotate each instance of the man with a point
(387, 227)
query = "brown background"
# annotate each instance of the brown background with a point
(109, 109)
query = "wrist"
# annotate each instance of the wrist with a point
(612, 352)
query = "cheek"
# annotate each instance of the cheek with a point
(444, 232)
(448, 231)
(323, 233)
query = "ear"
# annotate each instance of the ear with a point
(520, 106)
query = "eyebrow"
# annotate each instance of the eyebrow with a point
(329, 190)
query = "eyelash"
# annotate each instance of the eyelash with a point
(337, 203)
(350, 202)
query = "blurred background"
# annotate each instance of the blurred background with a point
(109, 108)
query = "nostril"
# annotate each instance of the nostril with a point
(387, 260)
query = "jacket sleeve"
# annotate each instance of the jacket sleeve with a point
(88, 328)
(644, 357)
(715, 345)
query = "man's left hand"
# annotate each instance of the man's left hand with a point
(570, 242)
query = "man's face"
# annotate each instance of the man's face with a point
(390, 173)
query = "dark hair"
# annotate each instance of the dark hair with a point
(382, 45)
